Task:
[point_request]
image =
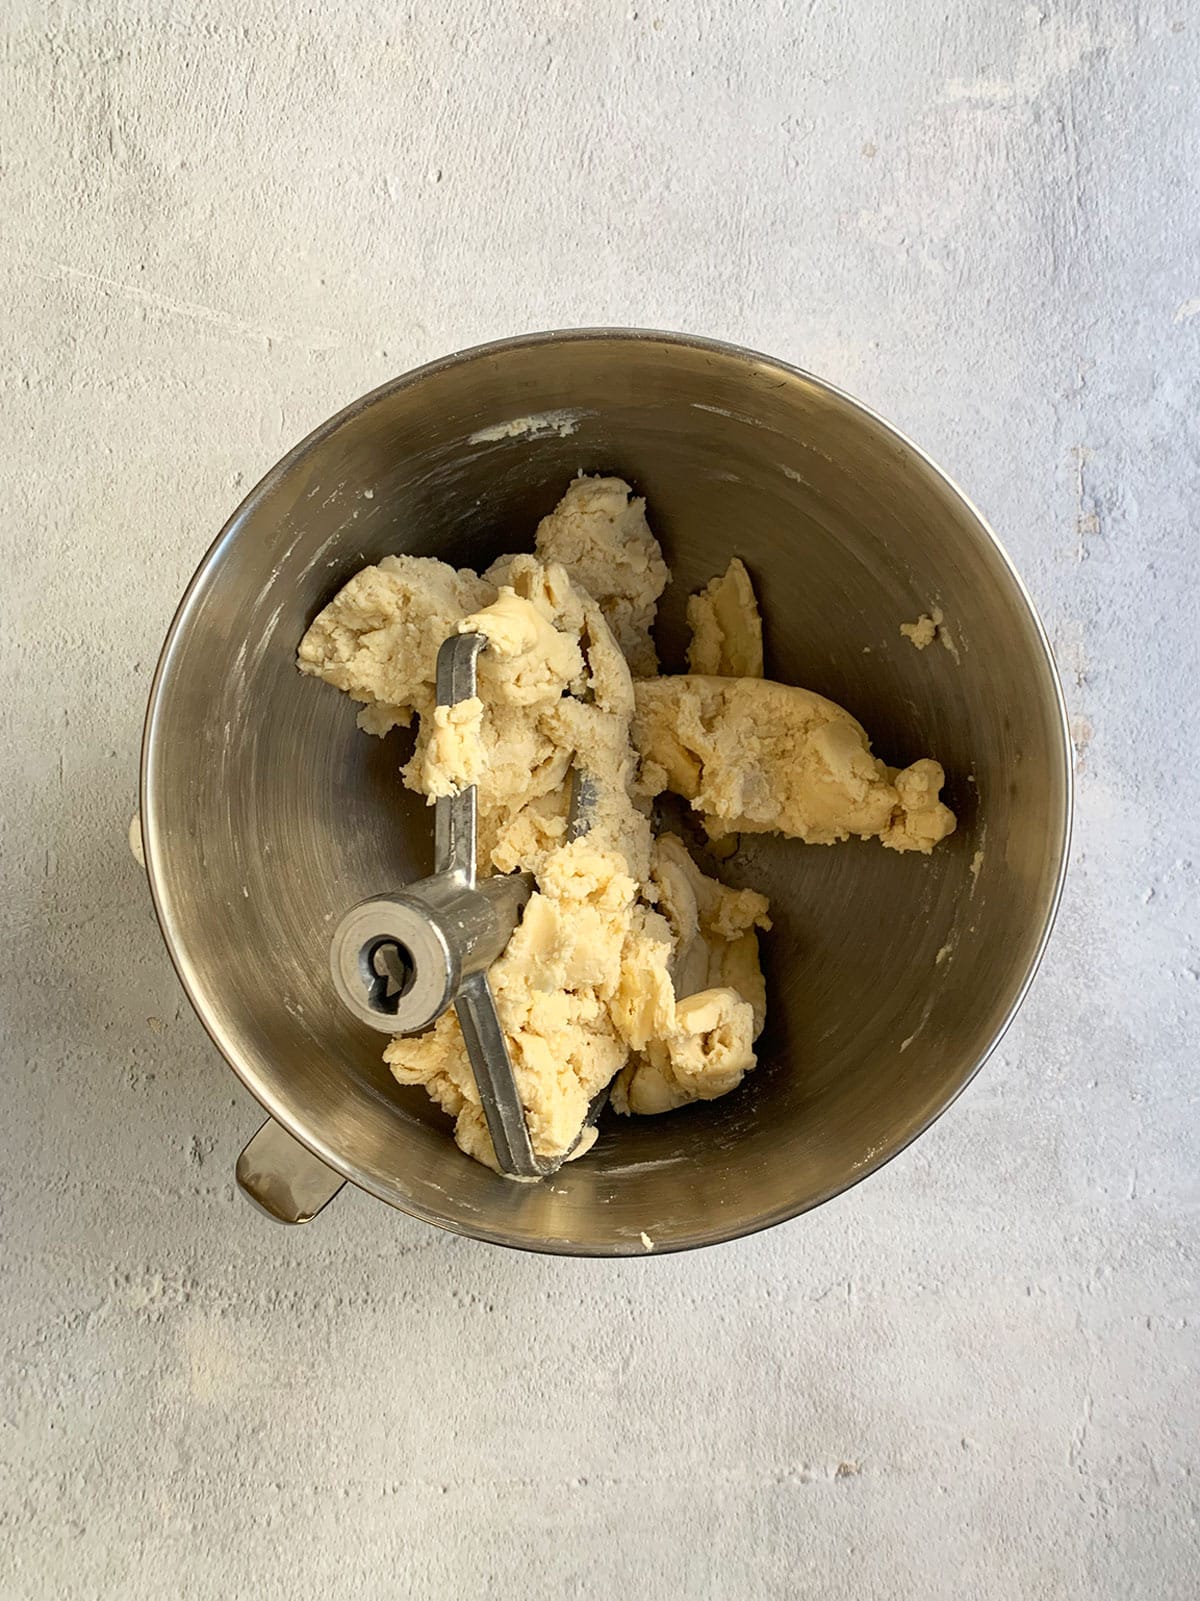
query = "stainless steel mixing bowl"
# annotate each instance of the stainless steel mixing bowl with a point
(266, 813)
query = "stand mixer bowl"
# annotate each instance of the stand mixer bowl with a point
(266, 812)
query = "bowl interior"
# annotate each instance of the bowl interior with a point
(267, 812)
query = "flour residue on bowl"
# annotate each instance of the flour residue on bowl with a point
(542, 425)
(723, 411)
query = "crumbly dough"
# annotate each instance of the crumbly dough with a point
(715, 973)
(600, 534)
(726, 641)
(453, 757)
(726, 627)
(378, 638)
(754, 756)
(630, 965)
(925, 630)
(587, 987)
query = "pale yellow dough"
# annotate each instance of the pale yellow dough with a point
(596, 980)
(453, 756)
(924, 631)
(726, 627)
(630, 964)
(754, 757)
(600, 534)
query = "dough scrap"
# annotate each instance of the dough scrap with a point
(924, 631)
(753, 756)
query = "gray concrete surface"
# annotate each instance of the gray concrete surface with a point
(977, 1374)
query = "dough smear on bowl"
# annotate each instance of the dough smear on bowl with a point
(630, 965)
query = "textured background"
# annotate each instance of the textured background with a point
(976, 1374)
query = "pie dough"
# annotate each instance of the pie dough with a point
(754, 757)
(630, 965)
(726, 627)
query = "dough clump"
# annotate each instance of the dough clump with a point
(753, 757)
(598, 980)
(924, 631)
(726, 627)
(630, 966)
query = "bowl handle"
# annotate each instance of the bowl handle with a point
(283, 1178)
